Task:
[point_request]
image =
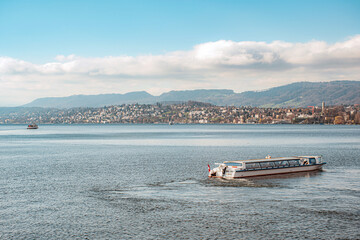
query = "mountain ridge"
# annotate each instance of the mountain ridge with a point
(299, 94)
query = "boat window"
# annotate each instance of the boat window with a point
(294, 162)
(284, 163)
(251, 165)
(277, 163)
(312, 160)
(265, 164)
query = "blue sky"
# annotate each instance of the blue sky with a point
(39, 30)
(61, 48)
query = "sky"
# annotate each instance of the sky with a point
(63, 48)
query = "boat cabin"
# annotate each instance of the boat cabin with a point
(268, 163)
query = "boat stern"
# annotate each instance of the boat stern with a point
(225, 170)
(218, 171)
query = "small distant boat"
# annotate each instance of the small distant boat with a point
(266, 166)
(32, 126)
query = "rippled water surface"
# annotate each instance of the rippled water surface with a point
(150, 182)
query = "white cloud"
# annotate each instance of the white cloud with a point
(222, 64)
(62, 58)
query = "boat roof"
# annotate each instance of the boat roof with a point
(270, 159)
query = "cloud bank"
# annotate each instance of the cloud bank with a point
(239, 66)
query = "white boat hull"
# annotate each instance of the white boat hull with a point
(265, 172)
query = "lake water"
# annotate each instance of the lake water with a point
(150, 182)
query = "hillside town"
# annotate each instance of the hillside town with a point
(185, 113)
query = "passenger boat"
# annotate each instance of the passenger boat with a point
(266, 166)
(32, 126)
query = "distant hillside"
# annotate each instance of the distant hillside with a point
(299, 94)
(128, 98)
(92, 100)
(203, 95)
